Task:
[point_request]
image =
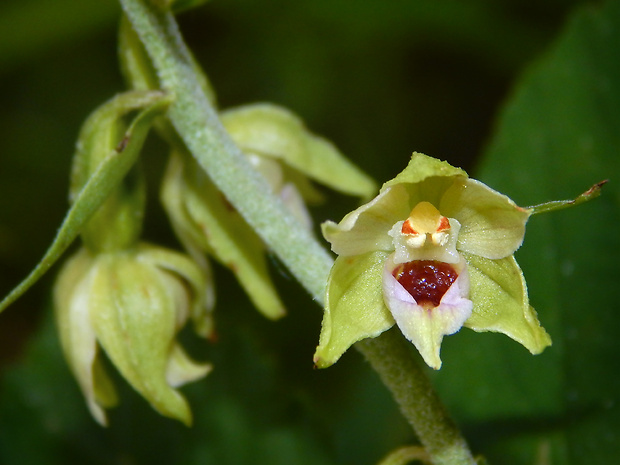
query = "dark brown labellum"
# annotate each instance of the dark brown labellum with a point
(426, 280)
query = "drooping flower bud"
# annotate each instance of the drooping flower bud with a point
(132, 304)
(121, 295)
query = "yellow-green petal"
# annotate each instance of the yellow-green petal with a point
(182, 369)
(198, 280)
(273, 131)
(72, 292)
(492, 225)
(366, 228)
(354, 306)
(501, 304)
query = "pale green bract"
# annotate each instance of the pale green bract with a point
(484, 229)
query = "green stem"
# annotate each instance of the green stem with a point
(196, 121)
(391, 357)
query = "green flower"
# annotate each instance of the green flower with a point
(117, 293)
(279, 146)
(132, 303)
(120, 294)
(432, 252)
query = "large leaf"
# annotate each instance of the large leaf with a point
(557, 135)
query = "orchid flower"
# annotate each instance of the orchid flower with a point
(433, 252)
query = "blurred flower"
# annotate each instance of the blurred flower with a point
(132, 303)
(432, 252)
(279, 146)
(120, 294)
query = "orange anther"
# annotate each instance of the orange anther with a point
(407, 228)
(444, 224)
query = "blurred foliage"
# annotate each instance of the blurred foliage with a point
(557, 135)
(381, 79)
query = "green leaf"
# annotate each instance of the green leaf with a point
(557, 136)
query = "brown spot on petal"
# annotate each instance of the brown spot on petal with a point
(232, 266)
(426, 280)
(229, 206)
(122, 144)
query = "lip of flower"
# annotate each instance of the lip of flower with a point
(423, 320)
(425, 280)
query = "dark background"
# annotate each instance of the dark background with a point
(380, 79)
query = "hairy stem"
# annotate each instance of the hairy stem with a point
(391, 357)
(196, 121)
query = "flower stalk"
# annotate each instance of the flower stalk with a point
(391, 357)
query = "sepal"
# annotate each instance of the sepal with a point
(366, 228)
(77, 335)
(501, 303)
(205, 222)
(493, 226)
(422, 167)
(354, 306)
(274, 132)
